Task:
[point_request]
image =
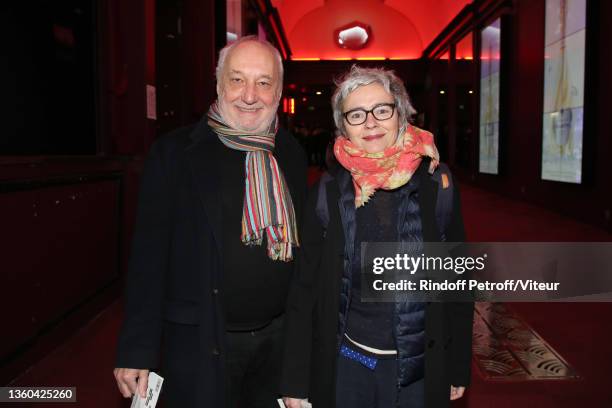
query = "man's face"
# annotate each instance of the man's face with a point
(249, 91)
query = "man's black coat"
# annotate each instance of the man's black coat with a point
(174, 280)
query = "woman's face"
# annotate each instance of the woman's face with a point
(373, 135)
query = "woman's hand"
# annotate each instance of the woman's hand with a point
(456, 392)
(292, 402)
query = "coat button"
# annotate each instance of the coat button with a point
(215, 291)
(431, 343)
(215, 352)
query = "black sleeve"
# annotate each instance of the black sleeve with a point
(302, 181)
(456, 229)
(140, 335)
(461, 313)
(295, 371)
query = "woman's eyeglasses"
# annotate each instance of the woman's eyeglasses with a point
(358, 116)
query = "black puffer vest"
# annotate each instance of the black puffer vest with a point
(409, 317)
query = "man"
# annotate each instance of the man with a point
(215, 233)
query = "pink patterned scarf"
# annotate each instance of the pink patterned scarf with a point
(389, 169)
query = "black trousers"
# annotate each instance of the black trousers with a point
(252, 366)
(358, 386)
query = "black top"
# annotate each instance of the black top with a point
(255, 287)
(371, 323)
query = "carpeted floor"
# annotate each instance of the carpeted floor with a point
(580, 332)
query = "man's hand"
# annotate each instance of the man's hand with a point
(292, 402)
(131, 380)
(456, 392)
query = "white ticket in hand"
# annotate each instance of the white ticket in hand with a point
(304, 403)
(153, 389)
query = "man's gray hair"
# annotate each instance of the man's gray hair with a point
(360, 76)
(228, 48)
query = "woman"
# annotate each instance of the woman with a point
(340, 351)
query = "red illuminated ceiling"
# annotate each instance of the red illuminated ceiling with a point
(401, 29)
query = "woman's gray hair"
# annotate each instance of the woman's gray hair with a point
(228, 48)
(360, 76)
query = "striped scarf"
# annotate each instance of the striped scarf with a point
(267, 200)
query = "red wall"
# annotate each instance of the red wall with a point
(66, 221)
(60, 247)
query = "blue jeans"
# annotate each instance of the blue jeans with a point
(359, 387)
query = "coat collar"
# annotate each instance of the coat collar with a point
(428, 196)
(205, 159)
(205, 155)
